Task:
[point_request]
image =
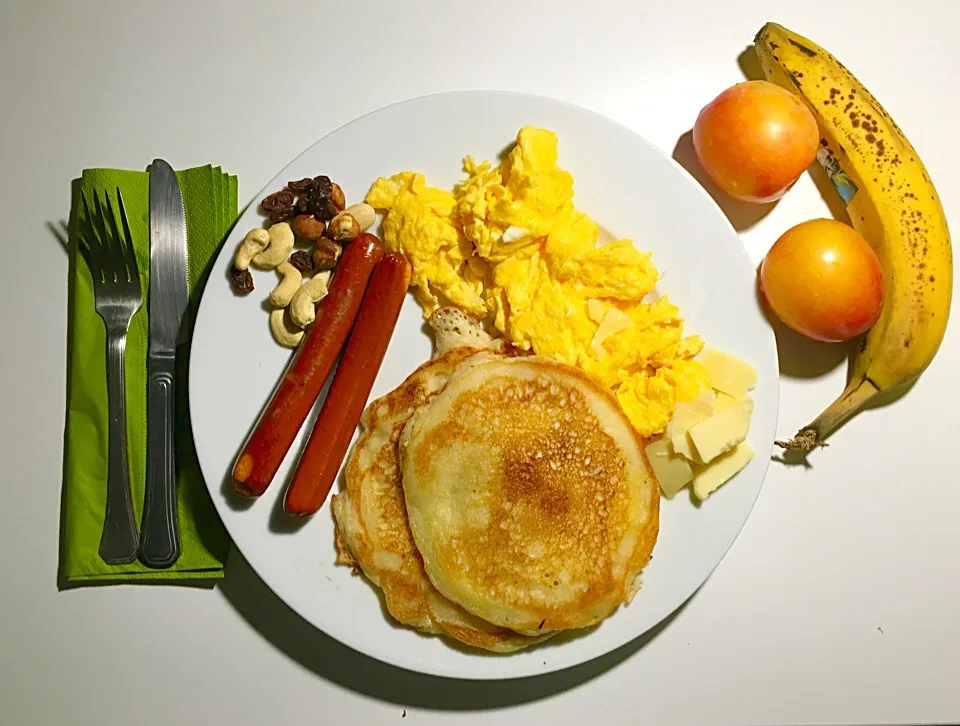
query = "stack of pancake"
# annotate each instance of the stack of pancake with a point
(497, 498)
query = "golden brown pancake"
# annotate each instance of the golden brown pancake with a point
(372, 530)
(528, 495)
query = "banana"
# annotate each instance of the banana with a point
(891, 202)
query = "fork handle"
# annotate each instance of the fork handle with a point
(118, 540)
(160, 545)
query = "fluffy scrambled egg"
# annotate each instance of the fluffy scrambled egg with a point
(509, 246)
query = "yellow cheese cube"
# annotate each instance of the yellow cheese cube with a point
(613, 322)
(722, 431)
(595, 310)
(708, 479)
(686, 415)
(728, 373)
(724, 401)
(672, 471)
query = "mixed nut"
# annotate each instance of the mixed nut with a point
(312, 211)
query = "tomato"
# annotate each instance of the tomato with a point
(823, 280)
(754, 140)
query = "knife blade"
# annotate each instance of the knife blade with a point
(168, 260)
(167, 300)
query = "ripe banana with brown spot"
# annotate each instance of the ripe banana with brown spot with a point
(891, 202)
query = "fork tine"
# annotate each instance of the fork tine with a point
(132, 258)
(91, 224)
(83, 247)
(110, 255)
(123, 264)
(87, 216)
(90, 245)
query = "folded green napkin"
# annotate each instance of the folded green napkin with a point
(210, 201)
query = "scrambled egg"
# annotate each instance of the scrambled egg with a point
(509, 246)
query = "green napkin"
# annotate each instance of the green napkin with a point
(210, 201)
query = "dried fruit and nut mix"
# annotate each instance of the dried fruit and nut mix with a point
(319, 197)
(308, 205)
(313, 211)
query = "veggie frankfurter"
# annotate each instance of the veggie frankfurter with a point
(341, 411)
(307, 370)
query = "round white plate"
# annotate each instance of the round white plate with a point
(631, 189)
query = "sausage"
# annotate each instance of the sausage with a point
(307, 370)
(341, 411)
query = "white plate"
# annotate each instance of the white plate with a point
(631, 189)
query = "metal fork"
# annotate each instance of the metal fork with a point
(116, 285)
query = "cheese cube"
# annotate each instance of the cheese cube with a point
(724, 401)
(722, 431)
(613, 322)
(595, 310)
(672, 471)
(685, 416)
(709, 478)
(728, 373)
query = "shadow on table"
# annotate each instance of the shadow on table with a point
(337, 663)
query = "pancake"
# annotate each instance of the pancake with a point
(373, 535)
(528, 495)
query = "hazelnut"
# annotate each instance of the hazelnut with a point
(308, 227)
(337, 197)
(325, 255)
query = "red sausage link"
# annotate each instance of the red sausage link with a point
(307, 370)
(341, 411)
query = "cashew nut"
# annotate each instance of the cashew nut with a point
(282, 294)
(302, 310)
(281, 243)
(283, 332)
(253, 244)
(353, 220)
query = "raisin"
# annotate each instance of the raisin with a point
(319, 199)
(241, 281)
(321, 207)
(326, 209)
(279, 205)
(303, 261)
(301, 186)
(322, 185)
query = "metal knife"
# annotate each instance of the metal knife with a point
(167, 301)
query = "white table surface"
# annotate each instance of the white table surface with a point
(839, 602)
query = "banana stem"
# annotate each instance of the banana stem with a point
(854, 396)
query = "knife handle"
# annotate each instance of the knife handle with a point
(159, 535)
